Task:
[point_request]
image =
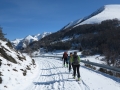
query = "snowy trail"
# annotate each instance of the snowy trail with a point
(53, 76)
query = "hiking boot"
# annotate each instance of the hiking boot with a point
(73, 77)
(66, 65)
(78, 79)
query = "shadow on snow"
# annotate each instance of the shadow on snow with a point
(52, 82)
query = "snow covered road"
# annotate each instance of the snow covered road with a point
(53, 76)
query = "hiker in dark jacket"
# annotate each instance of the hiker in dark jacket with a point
(65, 58)
(76, 65)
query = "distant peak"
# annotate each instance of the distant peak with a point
(112, 5)
(106, 12)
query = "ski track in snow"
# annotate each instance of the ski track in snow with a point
(53, 76)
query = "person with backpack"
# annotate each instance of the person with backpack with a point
(76, 65)
(65, 58)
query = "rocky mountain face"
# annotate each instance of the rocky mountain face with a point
(13, 64)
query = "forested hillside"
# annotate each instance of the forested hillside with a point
(95, 37)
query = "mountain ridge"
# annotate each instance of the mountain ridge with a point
(103, 13)
(24, 42)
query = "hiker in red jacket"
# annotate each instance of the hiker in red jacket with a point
(65, 58)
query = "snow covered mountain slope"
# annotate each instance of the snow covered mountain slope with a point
(15, 68)
(22, 43)
(104, 13)
(72, 23)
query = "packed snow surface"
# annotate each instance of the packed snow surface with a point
(51, 75)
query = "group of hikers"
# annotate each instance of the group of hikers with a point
(72, 61)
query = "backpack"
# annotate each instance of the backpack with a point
(65, 55)
(75, 60)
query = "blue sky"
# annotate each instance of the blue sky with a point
(20, 18)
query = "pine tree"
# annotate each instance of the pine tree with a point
(2, 35)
